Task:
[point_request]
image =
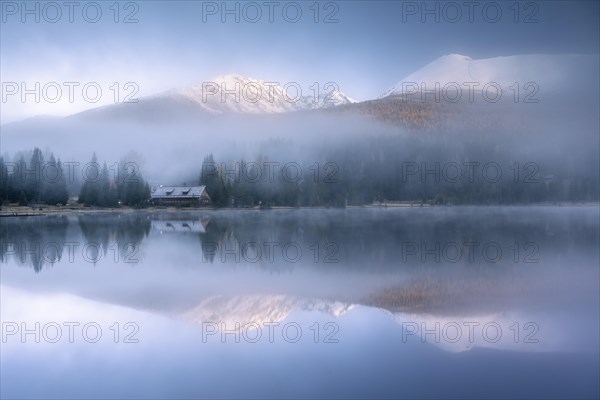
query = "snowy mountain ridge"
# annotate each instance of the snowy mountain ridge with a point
(239, 94)
(548, 72)
(520, 77)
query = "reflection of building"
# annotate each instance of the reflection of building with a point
(172, 225)
(194, 196)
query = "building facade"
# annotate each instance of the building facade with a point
(180, 196)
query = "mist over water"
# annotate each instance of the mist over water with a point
(558, 133)
(171, 272)
(394, 297)
(299, 200)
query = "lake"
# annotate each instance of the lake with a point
(405, 302)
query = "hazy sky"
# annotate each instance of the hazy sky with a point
(372, 45)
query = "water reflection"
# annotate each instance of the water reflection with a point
(439, 260)
(402, 281)
(23, 240)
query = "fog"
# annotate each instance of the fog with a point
(554, 139)
(389, 199)
(351, 256)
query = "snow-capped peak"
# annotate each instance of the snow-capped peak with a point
(458, 56)
(547, 72)
(240, 94)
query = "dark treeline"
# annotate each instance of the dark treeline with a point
(263, 183)
(49, 181)
(434, 169)
(109, 188)
(37, 181)
(425, 169)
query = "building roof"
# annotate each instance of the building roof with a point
(166, 226)
(177, 192)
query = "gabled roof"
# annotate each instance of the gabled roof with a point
(178, 226)
(170, 192)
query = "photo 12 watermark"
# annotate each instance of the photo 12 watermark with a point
(69, 332)
(270, 252)
(469, 172)
(252, 12)
(453, 12)
(473, 331)
(72, 252)
(255, 172)
(469, 92)
(235, 90)
(470, 252)
(273, 332)
(51, 172)
(53, 12)
(72, 92)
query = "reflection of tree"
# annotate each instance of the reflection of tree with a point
(105, 230)
(214, 236)
(37, 240)
(402, 240)
(365, 240)
(458, 292)
(43, 240)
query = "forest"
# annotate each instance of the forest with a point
(373, 170)
(52, 182)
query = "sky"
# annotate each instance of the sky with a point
(365, 47)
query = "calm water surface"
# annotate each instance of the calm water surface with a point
(397, 302)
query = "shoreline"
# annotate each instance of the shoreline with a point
(29, 211)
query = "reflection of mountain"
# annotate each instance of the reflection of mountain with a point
(451, 332)
(449, 294)
(259, 309)
(373, 267)
(463, 333)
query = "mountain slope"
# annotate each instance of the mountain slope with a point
(223, 95)
(235, 93)
(549, 72)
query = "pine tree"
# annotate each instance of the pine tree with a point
(17, 182)
(132, 189)
(56, 183)
(52, 177)
(4, 182)
(90, 190)
(103, 187)
(211, 176)
(34, 183)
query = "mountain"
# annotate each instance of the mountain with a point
(255, 96)
(551, 73)
(552, 78)
(223, 95)
(460, 331)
